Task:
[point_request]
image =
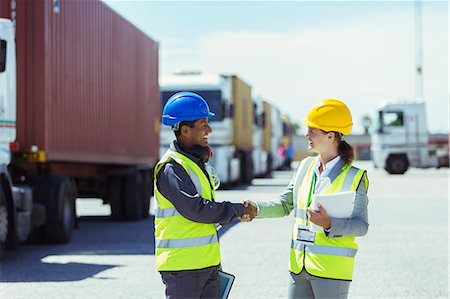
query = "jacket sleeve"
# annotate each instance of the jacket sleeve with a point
(175, 184)
(280, 207)
(358, 224)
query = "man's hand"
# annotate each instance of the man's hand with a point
(250, 210)
(320, 218)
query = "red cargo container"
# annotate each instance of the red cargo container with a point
(87, 84)
(5, 9)
(88, 106)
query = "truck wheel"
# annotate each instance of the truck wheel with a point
(147, 191)
(60, 210)
(4, 223)
(397, 164)
(114, 197)
(132, 196)
(249, 167)
(246, 170)
(269, 165)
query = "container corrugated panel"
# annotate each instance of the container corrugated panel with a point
(242, 114)
(87, 84)
(5, 9)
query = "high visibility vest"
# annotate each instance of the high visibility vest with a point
(327, 257)
(182, 244)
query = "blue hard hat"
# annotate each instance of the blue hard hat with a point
(185, 106)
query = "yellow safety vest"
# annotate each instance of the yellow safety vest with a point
(327, 257)
(182, 244)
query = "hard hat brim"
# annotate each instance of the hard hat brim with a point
(344, 130)
(168, 120)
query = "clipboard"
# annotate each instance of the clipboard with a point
(226, 282)
(337, 205)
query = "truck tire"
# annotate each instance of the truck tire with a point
(133, 196)
(129, 196)
(4, 223)
(397, 164)
(40, 187)
(269, 165)
(60, 210)
(246, 170)
(249, 167)
(114, 196)
(147, 191)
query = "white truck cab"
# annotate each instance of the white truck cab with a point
(16, 203)
(401, 137)
(7, 89)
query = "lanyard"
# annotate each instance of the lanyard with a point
(313, 182)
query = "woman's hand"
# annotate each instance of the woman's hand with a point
(320, 217)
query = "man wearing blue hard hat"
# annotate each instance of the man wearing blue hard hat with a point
(187, 245)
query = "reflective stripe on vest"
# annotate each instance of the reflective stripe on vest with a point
(300, 213)
(350, 176)
(326, 250)
(196, 180)
(182, 244)
(187, 242)
(164, 213)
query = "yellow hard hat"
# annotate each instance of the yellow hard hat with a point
(330, 115)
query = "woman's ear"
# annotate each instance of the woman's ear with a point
(331, 136)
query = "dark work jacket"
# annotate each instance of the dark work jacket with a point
(176, 185)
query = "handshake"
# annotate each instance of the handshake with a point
(250, 210)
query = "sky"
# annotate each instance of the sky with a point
(296, 53)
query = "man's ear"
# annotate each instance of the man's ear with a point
(185, 130)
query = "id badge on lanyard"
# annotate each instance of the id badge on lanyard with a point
(305, 235)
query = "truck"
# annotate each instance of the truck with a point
(79, 116)
(261, 154)
(276, 137)
(230, 98)
(401, 139)
(275, 130)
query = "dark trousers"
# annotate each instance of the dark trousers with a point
(199, 284)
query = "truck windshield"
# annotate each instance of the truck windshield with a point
(2, 55)
(392, 119)
(389, 119)
(212, 97)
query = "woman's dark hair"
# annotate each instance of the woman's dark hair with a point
(189, 123)
(345, 150)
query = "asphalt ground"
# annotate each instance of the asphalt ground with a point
(404, 255)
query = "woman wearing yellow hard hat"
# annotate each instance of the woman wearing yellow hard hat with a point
(323, 248)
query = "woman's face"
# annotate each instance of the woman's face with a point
(318, 140)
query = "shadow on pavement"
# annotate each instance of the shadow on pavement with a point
(95, 236)
(37, 271)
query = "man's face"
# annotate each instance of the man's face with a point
(199, 133)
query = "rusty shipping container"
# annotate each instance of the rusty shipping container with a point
(88, 108)
(87, 83)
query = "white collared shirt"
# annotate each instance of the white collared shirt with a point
(322, 179)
